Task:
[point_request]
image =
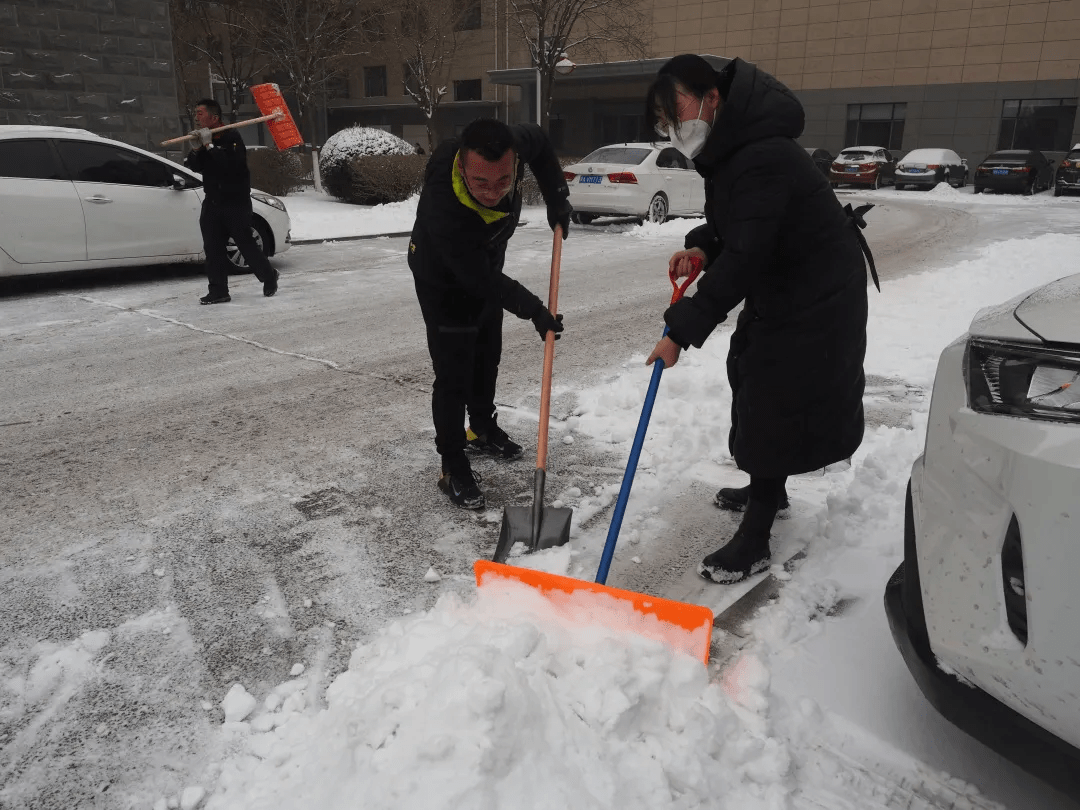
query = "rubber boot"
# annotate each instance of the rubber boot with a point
(747, 553)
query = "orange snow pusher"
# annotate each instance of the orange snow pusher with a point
(275, 114)
(683, 627)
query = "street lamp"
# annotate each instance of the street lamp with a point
(564, 67)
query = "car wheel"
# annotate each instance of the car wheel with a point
(1057, 191)
(834, 185)
(260, 232)
(582, 219)
(963, 180)
(899, 186)
(1029, 189)
(658, 208)
(877, 181)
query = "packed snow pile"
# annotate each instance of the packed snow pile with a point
(500, 703)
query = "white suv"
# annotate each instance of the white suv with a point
(984, 606)
(72, 200)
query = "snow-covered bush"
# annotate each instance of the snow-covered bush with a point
(342, 148)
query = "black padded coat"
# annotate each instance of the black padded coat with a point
(778, 241)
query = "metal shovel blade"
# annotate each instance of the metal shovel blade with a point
(517, 528)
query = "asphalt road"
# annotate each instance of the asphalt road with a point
(198, 496)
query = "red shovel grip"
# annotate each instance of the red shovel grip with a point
(697, 266)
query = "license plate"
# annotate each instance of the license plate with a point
(591, 178)
(915, 171)
(1001, 171)
(852, 168)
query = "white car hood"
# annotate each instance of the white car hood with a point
(1051, 312)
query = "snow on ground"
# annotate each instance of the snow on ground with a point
(497, 703)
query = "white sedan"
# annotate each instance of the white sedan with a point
(925, 168)
(644, 180)
(984, 605)
(73, 200)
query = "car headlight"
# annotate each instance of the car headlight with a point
(1031, 381)
(266, 199)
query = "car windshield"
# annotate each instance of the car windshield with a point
(1018, 156)
(856, 155)
(628, 155)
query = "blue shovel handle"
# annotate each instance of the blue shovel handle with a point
(639, 440)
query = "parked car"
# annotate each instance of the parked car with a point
(983, 607)
(1016, 171)
(1067, 176)
(644, 180)
(863, 166)
(823, 158)
(72, 200)
(925, 168)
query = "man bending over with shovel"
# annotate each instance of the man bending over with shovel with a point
(469, 208)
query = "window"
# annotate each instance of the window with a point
(103, 163)
(624, 129)
(410, 83)
(1043, 124)
(875, 125)
(375, 81)
(671, 158)
(468, 15)
(33, 160)
(467, 90)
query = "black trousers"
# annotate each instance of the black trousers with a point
(466, 363)
(218, 222)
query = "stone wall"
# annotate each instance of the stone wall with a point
(101, 65)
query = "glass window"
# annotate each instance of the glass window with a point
(628, 155)
(375, 81)
(468, 15)
(625, 128)
(467, 90)
(876, 125)
(104, 163)
(1043, 124)
(30, 159)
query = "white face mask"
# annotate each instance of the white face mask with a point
(689, 136)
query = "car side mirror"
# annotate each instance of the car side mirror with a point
(181, 183)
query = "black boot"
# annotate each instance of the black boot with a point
(747, 553)
(734, 500)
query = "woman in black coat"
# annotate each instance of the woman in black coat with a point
(777, 241)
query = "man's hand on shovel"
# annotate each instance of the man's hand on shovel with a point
(545, 322)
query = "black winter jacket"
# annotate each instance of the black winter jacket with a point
(778, 241)
(224, 169)
(456, 256)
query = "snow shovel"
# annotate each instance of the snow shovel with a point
(639, 437)
(276, 113)
(539, 526)
(681, 626)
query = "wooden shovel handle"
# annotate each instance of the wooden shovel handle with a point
(228, 126)
(549, 353)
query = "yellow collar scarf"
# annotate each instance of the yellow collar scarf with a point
(461, 191)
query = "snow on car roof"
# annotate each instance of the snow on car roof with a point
(930, 154)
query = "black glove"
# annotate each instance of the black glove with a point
(546, 322)
(559, 214)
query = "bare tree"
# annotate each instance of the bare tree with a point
(425, 38)
(310, 42)
(582, 27)
(220, 35)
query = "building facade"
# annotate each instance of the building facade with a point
(971, 75)
(101, 65)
